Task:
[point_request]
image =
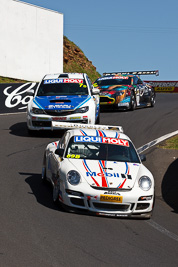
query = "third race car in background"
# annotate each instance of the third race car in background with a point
(125, 90)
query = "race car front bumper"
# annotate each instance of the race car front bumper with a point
(117, 202)
(106, 100)
(44, 122)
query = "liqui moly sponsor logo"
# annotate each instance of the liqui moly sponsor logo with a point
(99, 139)
(51, 81)
(73, 81)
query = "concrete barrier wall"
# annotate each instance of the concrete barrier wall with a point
(31, 41)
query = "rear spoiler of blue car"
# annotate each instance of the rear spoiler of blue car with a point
(67, 125)
(152, 72)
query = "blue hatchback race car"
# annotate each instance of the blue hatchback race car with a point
(67, 97)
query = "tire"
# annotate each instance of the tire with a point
(132, 102)
(56, 189)
(152, 101)
(43, 175)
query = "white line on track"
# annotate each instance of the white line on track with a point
(17, 113)
(162, 230)
(156, 141)
(151, 222)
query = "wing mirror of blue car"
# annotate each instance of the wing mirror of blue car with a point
(95, 91)
(142, 157)
(59, 152)
(30, 92)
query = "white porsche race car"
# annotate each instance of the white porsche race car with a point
(67, 97)
(96, 168)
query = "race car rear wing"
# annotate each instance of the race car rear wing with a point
(152, 72)
(56, 125)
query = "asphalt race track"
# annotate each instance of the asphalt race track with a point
(35, 232)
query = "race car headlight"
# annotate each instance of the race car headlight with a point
(73, 177)
(37, 111)
(82, 110)
(145, 183)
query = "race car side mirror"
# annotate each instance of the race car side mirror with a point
(142, 157)
(139, 82)
(95, 91)
(59, 152)
(30, 92)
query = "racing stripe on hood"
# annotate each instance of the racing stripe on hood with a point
(117, 135)
(126, 172)
(81, 104)
(36, 103)
(127, 168)
(121, 185)
(100, 133)
(83, 132)
(88, 170)
(102, 165)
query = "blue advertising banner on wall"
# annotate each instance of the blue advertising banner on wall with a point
(14, 97)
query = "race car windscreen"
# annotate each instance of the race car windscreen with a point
(113, 81)
(63, 87)
(101, 148)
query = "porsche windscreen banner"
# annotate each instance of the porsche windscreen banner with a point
(14, 96)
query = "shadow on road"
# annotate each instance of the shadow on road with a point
(169, 186)
(20, 129)
(42, 192)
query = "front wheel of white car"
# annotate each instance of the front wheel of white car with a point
(56, 189)
(43, 175)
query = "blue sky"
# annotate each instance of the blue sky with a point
(123, 35)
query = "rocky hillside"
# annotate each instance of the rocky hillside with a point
(74, 61)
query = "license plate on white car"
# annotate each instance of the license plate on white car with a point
(111, 198)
